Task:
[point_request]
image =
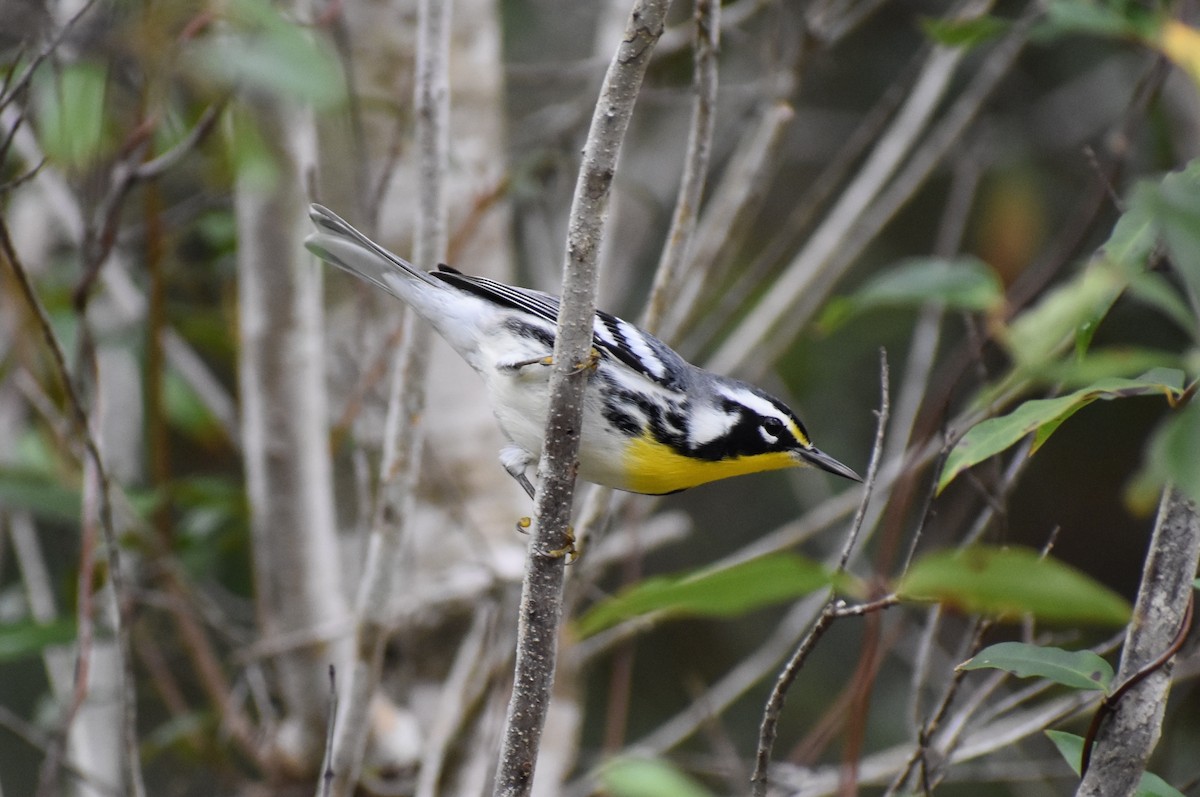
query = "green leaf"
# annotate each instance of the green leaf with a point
(185, 410)
(1009, 583)
(1160, 294)
(1078, 669)
(1174, 203)
(728, 592)
(70, 108)
(1174, 455)
(1070, 747)
(1073, 311)
(965, 283)
(1152, 785)
(29, 638)
(38, 494)
(1038, 335)
(638, 777)
(964, 32)
(1115, 361)
(1084, 17)
(261, 50)
(1043, 417)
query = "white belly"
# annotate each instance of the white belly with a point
(519, 399)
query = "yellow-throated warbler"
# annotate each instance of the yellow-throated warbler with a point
(652, 422)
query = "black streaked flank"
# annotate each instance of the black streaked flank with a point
(530, 331)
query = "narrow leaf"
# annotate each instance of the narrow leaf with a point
(36, 493)
(965, 283)
(1043, 416)
(1174, 204)
(1078, 669)
(1117, 361)
(29, 638)
(1070, 747)
(71, 114)
(966, 33)
(1009, 583)
(1174, 456)
(260, 49)
(638, 777)
(1084, 16)
(730, 592)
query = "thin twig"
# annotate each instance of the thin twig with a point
(695, 165)
(101, 236)
(834, 609)
(873, 466)
(15, 87)
(729, 212)
(541, 593)
(404, 433)
(327, 768)
(79, 415)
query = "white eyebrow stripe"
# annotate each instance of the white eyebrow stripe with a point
(762, 406)
(753, 401)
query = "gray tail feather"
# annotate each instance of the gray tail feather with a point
(345, 247)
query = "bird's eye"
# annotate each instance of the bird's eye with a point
(771, 430)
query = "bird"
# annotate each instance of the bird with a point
(653, 423)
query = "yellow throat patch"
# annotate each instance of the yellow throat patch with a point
(653, 468)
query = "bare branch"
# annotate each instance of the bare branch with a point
(541, 593)
(834, 609)
(82, 422)
(695, 166)
(873, 466)
(403, 432)
(1124, 743)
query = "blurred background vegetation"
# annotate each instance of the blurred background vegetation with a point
(157, 158)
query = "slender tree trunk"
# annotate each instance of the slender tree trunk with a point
(284, 435)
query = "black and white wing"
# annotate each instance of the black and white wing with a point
(613, 337)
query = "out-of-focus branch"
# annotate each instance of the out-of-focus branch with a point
(695, 166)
(541, 595)
(1128, 736)
(284, 435)
(877, 192)
(403, 431)
(104, 514)
(735, 201)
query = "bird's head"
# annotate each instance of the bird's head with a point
(747, 424)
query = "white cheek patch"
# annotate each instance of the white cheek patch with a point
(708, 424)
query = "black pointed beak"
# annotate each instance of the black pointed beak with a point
(819, 459)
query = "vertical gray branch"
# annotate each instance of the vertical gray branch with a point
(403, 433)
(1127, 738)
(695, 166)
(284, 438)
(541, 593)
